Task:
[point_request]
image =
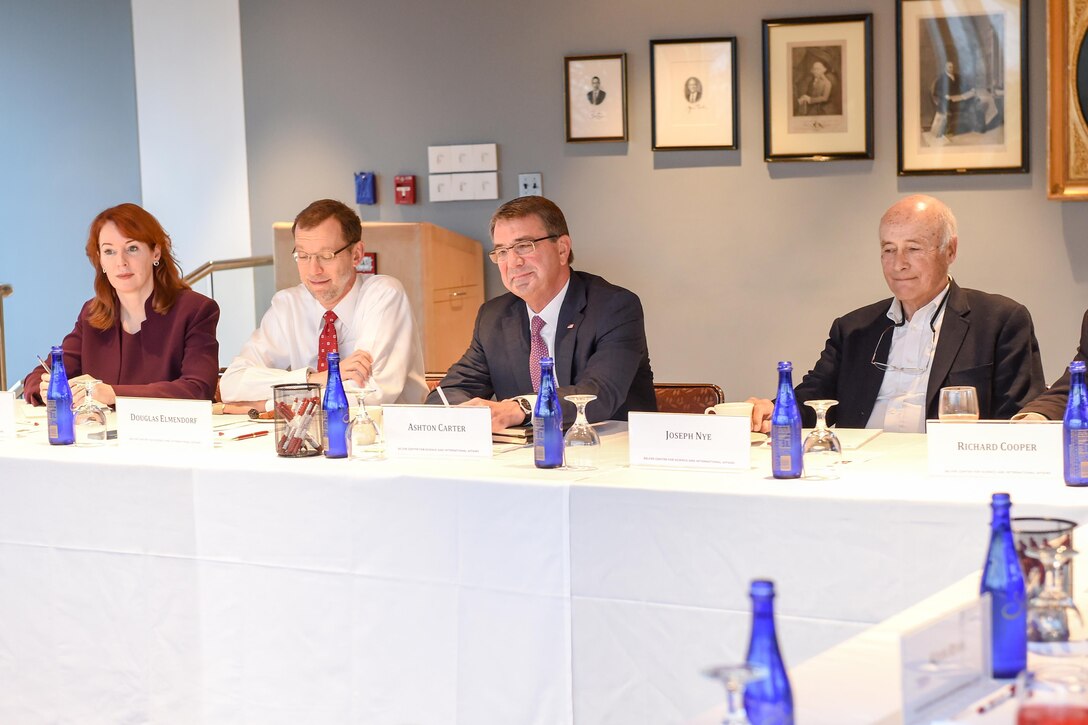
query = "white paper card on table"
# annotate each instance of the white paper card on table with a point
(689, 441)
(432, 430)
(994, 447)
(7, 414)
(164, 421)
(944, 658)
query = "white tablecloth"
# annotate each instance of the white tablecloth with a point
(232, 586)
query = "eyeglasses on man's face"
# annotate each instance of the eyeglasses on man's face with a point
(303, 257)
(523, 248)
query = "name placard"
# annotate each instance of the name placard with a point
(164, 421)
(689, 441)
(994, 447)
(944, 657)
(432, 430)
(7, 414)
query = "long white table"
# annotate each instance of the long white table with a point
(232, 586)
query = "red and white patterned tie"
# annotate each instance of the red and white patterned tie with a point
(537, 349)
(327, 342)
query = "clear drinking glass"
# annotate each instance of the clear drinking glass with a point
(1052, 695)
(90, 418)
(581, 441)
(366, 434)
(1048, 612)
(734, 678)
(958, 404)
(822, 450)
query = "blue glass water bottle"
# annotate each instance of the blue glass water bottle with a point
(768, 701)
(1004, 580)
(785, 427)
(58, 402)
(337, 415)
(548, 419)
(1075, 428)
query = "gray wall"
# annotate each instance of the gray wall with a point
(68, 144)
(739, 263)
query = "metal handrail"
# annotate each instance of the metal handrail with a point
(224, 264)
(5, 290)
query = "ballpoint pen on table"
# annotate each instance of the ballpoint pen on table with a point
(245, 436)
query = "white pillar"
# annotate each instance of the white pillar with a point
(191, 116)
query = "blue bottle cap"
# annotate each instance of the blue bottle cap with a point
(762, 588)
(785, 365)
(56, 348)
(1001, 499)
(1077, 366)
(332, 356)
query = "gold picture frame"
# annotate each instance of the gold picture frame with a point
(1067, 142)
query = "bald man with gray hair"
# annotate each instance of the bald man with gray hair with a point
(887, 362)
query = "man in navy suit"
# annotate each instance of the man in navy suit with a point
(887, 362)
(593, 329)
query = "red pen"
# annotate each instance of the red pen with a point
(254, 434)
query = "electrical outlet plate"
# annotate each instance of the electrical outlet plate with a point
(530, 185)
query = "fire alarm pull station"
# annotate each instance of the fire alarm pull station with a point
(405, 187)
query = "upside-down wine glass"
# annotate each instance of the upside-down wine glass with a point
(90, 418)
(1048, 613)
(581, 441)
(734, 678)
(822, 450)
(366, 435)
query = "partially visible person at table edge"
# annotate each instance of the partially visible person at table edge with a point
(886, 362)
(1051, 404)
(145, 333)
(593, 329)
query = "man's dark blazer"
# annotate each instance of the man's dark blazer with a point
(986, 340)
(600, 349)
(600, 97)
(1052, 403)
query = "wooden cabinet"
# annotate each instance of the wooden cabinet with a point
(442, 272)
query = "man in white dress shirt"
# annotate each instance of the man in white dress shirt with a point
(886, 363)
(366, 318)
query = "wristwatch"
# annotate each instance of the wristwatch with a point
(525, 408)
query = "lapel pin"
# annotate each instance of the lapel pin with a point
(570, 326)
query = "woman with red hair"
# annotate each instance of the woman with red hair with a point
(144, 333)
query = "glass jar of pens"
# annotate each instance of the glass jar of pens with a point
(298, 419)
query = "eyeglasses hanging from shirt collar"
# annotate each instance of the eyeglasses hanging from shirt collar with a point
(902, 321)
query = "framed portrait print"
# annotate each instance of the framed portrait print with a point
(963, 86)
(818, 88)
(693, 94)
(1067, 107)
(596, 97)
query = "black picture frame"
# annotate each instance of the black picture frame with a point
(818, 88)
(596, 97)
(693, 94)
(963, 86)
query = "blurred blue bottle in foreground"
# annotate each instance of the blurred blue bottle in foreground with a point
(1003, 578)
(768, 701)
